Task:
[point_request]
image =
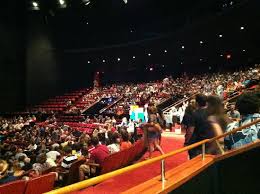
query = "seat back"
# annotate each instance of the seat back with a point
(16, 187)
(112, 162)
(47, 171)
(40, 184)
(73, 175)
(122, 158)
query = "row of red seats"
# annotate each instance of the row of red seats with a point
(51, 106)
(74, 119)
(89, 131)
(73, 94)
(123, 158)
(54, 102)
(86, 102)
(66, 97)
(88, 125)
(37, 185)
(60, 100)
(48, 109)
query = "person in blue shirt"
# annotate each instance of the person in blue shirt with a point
(249, 106)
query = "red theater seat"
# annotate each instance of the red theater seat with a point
(40, 184)
(16, 187)
(122, 158)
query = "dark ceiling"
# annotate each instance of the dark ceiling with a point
(107, 22)
(110, 29)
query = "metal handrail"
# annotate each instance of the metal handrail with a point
(101, 178)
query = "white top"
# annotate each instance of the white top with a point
(113, 148)
(53, 155)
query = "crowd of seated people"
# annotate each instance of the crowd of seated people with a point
(33, 148)
(222, 85)
(28, 149)
(154, 92)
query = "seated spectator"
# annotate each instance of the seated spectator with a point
(41, 164)
(125, 144)
(115, 144)
(27, 164)
(52, 156)
(233, 113)
(248, 105)
(69, 158)
(5, 177)
(97, 155)
(17, 170)
(20, 153)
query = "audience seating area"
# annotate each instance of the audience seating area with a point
(123, 158)
(83, 127)
(36, 185)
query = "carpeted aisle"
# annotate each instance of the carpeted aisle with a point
(128, 180)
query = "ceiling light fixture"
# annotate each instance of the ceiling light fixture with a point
(86, 2)
(35, 4)
(62, 2)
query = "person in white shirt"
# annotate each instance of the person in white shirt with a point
(115, 145)
(131, 126)
(53, 154)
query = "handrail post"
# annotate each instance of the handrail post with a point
(219, 147)
(163, 171)
(203, 151)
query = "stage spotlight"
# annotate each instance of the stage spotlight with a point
(165, 51)
(149, 54)
(220, 35)
(201, 42)
(88, 62)
(133, 57)
(125, 1)
(104, 61)
(242, 28)
(201, 59)
(182, 47)
(118, 59)
(151, 69)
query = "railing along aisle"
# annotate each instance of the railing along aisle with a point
(101, 178)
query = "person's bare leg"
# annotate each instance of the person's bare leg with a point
(156, 142)
(150, 149)
(83, 170)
